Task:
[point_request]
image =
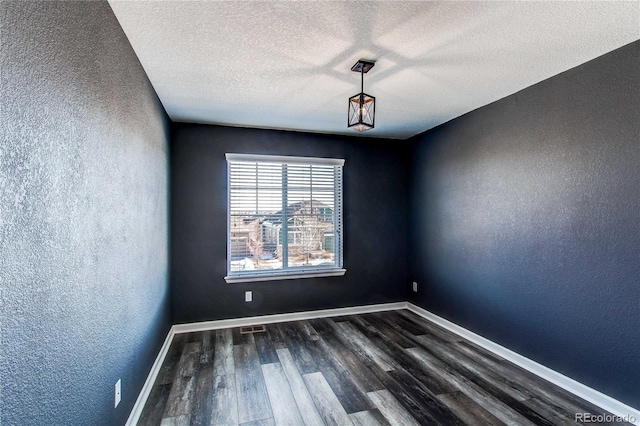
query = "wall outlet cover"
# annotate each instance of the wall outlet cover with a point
(415, 286)
(248, 296)
(118, 392)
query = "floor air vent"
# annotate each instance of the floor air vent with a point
(252, 329)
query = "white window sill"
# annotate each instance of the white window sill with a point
(283, 276)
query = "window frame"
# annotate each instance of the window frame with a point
(288, 272)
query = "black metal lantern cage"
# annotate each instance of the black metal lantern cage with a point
(362, 107)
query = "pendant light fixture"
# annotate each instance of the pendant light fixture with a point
(362, 107)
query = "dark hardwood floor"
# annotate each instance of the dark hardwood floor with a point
(388, 368)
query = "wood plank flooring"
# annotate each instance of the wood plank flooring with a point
(388, 368)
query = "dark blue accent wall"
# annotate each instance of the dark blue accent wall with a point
(375, 224)
(84, 295)
(525, 222)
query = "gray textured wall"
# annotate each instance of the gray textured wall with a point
(83, 216)
(526, 222)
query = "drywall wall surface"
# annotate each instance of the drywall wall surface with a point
(526, 222)
(375, 224)
(83, 216)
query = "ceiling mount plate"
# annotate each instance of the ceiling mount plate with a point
(362, 66)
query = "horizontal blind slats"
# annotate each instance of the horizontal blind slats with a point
(257, 214)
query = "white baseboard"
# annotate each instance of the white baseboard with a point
(136, 411)
(294, 316)
(601, 400)
(585, 392)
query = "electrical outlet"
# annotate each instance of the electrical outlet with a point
(415, 286)
(118, 392)
(248, 296)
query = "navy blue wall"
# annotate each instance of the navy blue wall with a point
(526, 222)
(84, 292)
(375, 223)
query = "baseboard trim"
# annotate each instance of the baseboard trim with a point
(294, 316)
(136, 411)
(585, 392)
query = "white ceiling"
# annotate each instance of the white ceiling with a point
(287, 65)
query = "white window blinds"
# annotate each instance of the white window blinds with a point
(285, 217)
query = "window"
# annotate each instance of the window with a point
(284, 217)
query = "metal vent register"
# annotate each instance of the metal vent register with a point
(253, 329)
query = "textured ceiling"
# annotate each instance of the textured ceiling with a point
(287, 65)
